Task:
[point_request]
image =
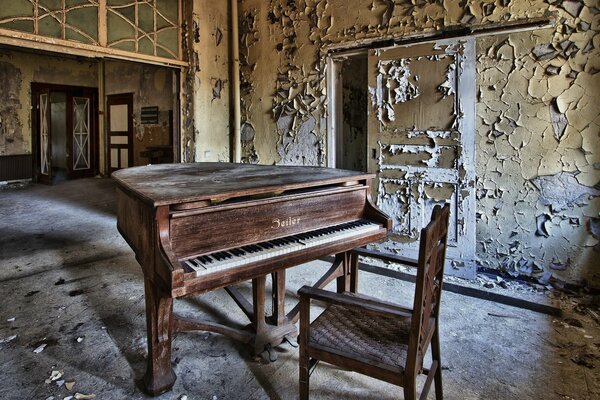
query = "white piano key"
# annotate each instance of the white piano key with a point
(337, 233)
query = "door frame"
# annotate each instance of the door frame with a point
(116, 99)
(464, 257)
(335, 102)
(38, 88)
(37, 175)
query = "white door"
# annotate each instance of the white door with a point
(421, 142)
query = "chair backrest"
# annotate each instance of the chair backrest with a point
(430, 273)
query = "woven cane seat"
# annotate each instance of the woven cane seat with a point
(373, 338)
(376, 337)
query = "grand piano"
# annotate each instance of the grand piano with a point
(203, 226)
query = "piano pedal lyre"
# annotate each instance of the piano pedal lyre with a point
(290, 341)
(269, 354)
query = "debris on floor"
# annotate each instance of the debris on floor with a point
(54, 375)
(40, 348)
(8, 339)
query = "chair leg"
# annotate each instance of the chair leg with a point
(304, 358)
(435, 354)
(410, 389)
(304, 379)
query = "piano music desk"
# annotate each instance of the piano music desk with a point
(202, 226)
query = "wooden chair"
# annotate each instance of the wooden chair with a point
(377, 338)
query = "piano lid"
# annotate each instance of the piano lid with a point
(165, 184)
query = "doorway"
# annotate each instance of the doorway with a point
(407, 114)
(65, 132)
(120, 131)
(351, 141)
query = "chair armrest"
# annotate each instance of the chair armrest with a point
(354, 301)
(411, 262)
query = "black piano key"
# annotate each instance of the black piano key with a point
(251, 248)
(236, 252)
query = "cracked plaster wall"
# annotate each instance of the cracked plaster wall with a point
(537, 126)
(17, 71)
(206, 85)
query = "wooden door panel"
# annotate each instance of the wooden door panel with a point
(82, 138)
(43, 162)
(421, 142)
(120, 131)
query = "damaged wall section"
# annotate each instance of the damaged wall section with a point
(17, 71)
(537, 121)
(205, 111)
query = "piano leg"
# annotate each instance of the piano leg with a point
(278, 328)
(160, 376)
(348, 281)
(278, 298)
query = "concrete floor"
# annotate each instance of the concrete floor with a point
(68, 280)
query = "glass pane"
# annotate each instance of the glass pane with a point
(73, 3)
(51, 5)
(168, 40)
(70, 34)
(160, 52)
(84, 20)
(44, 134)
(128, 45)
(169, 9)
(146, 46)
(81, 133)
(161, 22)
(25, 26)
(49, 26)
(127, 12)
(145, 18)
(16, 8)
(111, 3)
(156, 32)
(118, 28)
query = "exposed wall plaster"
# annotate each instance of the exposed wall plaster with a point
(537, 112)
(207, 83)
(395, 84)
(17, 71)
(11, 128)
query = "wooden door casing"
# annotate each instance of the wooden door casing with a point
(41, 122)
(44, 136)
(82, 137)
(120, 136)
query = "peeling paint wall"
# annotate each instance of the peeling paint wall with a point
(205, 108)
(283, 83)
(538, 164)
(539, 136)
(17, 71)
(151, 86)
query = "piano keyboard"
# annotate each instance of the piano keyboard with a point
(222, 260)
